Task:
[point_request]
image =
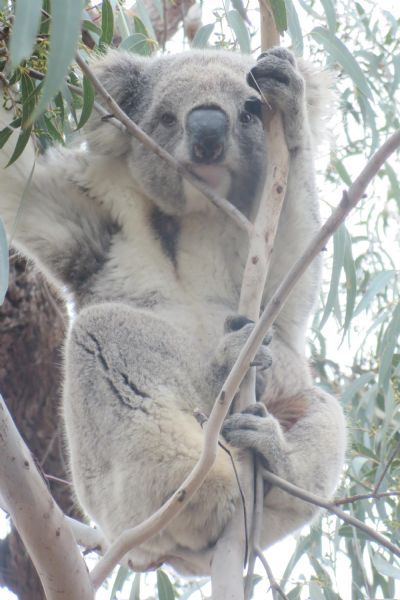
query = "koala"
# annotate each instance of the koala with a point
(153, 271)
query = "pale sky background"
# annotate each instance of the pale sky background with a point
(279, 554)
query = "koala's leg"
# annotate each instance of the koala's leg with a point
(132, 435)
(309, 454)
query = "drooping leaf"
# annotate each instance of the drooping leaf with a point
(3, 262)
(338, 257)
(236, 23)
(28, 97)
(164, 586)
(376, 285)
(330, 14)
(107, 23)
(338, 51)
(138, 44)
(22, 141)
(135, 589)
(144, 17)
(389, 341)
(64, 35)
(279, 11)
(122, 574)
(385, 567)
(88, 101)
(294, 28)
(25, 28)
(351, 280)
(202, 36)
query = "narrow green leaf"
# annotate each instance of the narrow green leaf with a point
(330, 14)
(139, 26)
(88, 101)
(351, 390)
(236, 23)
(7, 131)
(22, 141)
(338, 257)
(389, 341)
(3, 262)
(351, 280)
(135, 589)
(24, 31)
(137, 43)
(294, 28)
(338, 52)
(123, 573)
(144, 17)
(28, 97)
(107, 23)
(64, 35)
(53, 132)
(384, 567)
(279, 11)
(164, 586)
(91, 27)
(342, 171)
(377, 284)
(202, 36)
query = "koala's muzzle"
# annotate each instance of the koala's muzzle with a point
(207, 129)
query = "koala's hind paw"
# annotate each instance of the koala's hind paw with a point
(254, 428)
(237, 330)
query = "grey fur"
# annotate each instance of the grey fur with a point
(154, 271)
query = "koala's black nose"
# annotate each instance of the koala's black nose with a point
(207, 128)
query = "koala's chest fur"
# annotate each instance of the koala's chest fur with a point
(187, 270)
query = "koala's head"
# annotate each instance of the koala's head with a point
(198, 106)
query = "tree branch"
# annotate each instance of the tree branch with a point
(39, 521)
(261, 244)
(330, 506)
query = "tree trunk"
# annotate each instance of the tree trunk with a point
(32, 327)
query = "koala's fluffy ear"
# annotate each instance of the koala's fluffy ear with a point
(122, 74)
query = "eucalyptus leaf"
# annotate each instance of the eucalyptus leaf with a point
(25, 28)
(377, 284)
(122, 575)
(279, 12)
(330, 14)
(341, 54)
(88, 101)
(137, 43)
(144, 17)
(20, 146)
(294, 28)
(4, 265)
(107, 23)
(65, 30)
(135, 589)
(236, 23)
(338, 258)
(351, 280)
(202, 36)
(385, 567)
(390, 339)
(164, 586)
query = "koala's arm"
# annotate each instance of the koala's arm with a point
(309, 454)
(49, 217)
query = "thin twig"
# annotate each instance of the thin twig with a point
(330, 506)
(385, 470)
(275, 587)
(370, 496)
(150, 144)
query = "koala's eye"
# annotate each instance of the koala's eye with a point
(168, 119)
(253, 106)
(245, 117)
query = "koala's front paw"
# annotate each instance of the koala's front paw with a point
(254, 428)
(278, 79)
(237, 330)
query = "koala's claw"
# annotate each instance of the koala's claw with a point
(237, 322)
(243, 429)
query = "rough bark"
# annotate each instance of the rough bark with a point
(32, 326)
